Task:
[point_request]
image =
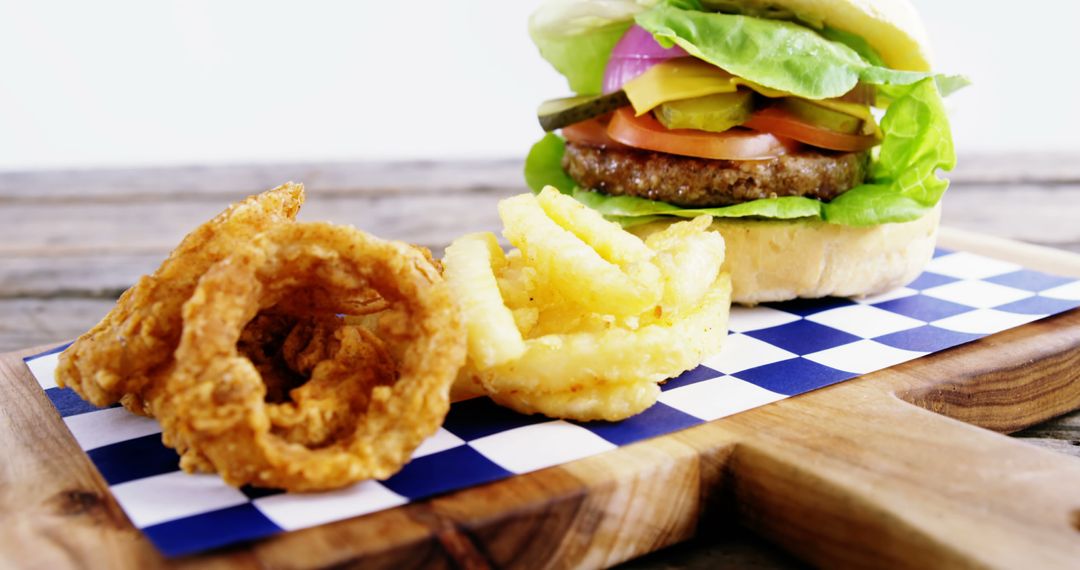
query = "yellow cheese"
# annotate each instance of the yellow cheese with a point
(688, 78)
(683, 78)
(761, 89)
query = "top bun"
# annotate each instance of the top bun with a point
(892, 27)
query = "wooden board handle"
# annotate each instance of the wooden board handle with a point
(856, 475)
(907, 488)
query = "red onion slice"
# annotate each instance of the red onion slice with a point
(635, 53)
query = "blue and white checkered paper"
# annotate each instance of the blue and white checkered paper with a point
(773, 352)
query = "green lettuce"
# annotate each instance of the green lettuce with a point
(853, 41)
(543, 165)
(576, 37)
(771, 48)
(776, 51)
(903, 184)
(780, 54)
(628, 207)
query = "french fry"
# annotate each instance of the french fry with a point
(572, 267)
(584, 319)
(470, 263)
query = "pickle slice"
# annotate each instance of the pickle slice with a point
(715, 113)
(559, 113)
(822, 117)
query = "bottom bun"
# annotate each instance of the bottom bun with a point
(778, 260)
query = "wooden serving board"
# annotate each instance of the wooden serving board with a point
(897, 468)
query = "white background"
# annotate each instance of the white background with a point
(125, 83)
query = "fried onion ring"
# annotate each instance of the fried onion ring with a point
(261, 342)
(124, 352)
(373, 396)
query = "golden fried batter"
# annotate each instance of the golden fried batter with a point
(373, 395)
(135, 341)
(297, 356)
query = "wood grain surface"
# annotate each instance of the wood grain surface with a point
(829, 476)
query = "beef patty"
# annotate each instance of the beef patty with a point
(699, 182)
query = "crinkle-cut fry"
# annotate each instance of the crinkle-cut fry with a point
(518, 285)
(124, 352)
(556, 319)
(517, 281)
(589, 402)
(689, 257)
(467, 385)
(572, 268)
(608, 239)
(653, 353)
(604, 316)
(470, 264)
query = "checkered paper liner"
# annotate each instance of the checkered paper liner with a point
(773, 352)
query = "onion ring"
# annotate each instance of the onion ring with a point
(134, 343)
(212, 406)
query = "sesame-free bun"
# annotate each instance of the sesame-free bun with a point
(778, 260)
(892, 27)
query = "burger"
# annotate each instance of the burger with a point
(813, 131)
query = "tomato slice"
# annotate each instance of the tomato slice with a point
(784, 124)
(592, 132)
(736, 144)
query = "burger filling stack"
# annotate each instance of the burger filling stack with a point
(812, 131)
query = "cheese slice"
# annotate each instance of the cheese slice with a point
(688, 77)
(682, 78)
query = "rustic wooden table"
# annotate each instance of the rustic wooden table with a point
(71, 242)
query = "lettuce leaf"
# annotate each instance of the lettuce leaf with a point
(768, 48)
(780, 54)
(576, 37)
(543, 165)
(853, 41)
(903, 183)
(629, 207)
